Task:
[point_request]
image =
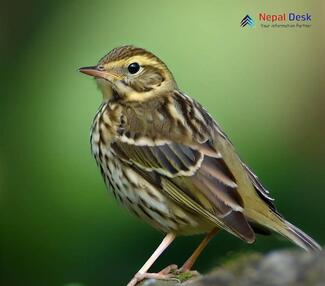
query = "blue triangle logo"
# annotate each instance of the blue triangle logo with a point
(247, 21)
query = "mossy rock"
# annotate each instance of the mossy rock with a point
(277, 268)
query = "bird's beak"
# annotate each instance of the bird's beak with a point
(95, 72)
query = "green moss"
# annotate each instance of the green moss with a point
(186, 275)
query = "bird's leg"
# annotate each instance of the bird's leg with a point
(189, 262)
(142, 273)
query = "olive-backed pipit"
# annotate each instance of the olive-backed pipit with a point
(166, 159)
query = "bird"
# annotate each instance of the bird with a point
(166, 160)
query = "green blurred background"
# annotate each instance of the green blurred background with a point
(59, 226)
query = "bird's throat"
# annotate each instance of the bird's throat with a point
(106, 89)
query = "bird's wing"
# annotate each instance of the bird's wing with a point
(192, 172)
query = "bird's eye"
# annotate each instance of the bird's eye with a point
(133, 68)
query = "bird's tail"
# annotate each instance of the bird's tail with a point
(278, 224)
(298, 237)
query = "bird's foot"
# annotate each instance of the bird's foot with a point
(168, 273)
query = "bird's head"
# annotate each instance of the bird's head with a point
(132, 74)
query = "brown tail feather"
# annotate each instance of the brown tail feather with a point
(300, 238)
(275, 222)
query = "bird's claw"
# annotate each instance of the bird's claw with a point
(168, 273)
(170, 269)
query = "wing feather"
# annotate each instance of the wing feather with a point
(200, 182)
(185, 160)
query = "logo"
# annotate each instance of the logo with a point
(247, 20)
(271, 20)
